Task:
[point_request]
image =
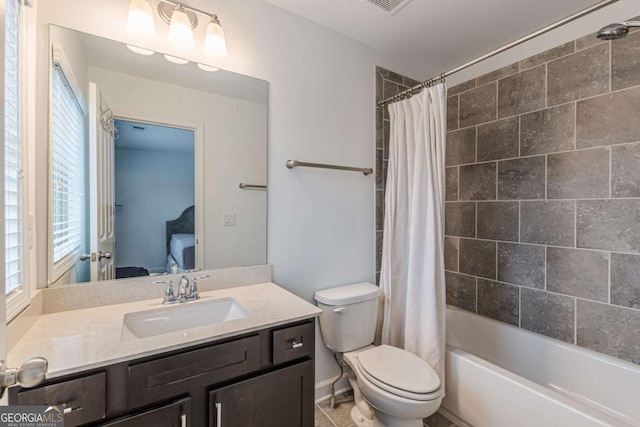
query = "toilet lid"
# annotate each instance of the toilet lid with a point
(399, 369)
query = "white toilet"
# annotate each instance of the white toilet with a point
(392, 387)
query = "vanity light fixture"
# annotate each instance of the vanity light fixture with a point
(180, 31)
(182, 20)
(209, 68)
(140, 50)
(214, 41)
(176, 60)
(141, 17)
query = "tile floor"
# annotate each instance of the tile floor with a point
(341, 415)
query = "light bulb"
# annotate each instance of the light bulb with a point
(214, 41)
(176, 60)
(141, 17)
(209, 68)
(140, 50)
(180, 28)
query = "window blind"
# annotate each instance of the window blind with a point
(67, 168)
(12, 151)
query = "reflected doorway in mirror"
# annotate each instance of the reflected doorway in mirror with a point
(155, 183)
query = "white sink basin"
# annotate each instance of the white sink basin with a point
(181, 317)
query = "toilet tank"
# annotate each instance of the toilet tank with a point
(349, 316)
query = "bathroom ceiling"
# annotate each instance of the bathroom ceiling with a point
(149, 137)
(440, 33)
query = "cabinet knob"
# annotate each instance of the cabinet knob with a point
(296, 344)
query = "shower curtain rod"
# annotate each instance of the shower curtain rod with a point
(417, 88)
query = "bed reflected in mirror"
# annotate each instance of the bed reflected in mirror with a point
(146, 161)
(181, 238)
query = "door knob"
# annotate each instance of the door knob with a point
(102, 255)
(32, 372)
(84, 257)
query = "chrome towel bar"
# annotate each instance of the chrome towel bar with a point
(243, 185)
(294, 163)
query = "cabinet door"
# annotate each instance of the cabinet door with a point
(176, 414)
(283, 398)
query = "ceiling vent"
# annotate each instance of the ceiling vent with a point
(390, 6)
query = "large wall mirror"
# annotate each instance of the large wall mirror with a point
(156, 165)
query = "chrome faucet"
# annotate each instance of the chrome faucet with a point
(187, 291)
(193, 290)
(169, 295)
(183, 288)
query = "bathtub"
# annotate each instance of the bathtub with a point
(500, 375)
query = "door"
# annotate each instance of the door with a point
(283, 398)
(101, 180)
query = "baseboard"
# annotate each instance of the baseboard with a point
(323, 389)
(452, 417)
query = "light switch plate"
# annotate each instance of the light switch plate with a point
(229, 220)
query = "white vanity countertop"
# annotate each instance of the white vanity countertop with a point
(77, 340)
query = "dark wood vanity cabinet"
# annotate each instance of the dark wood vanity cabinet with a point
(262, 379)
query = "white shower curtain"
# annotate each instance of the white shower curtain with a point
(412, 274)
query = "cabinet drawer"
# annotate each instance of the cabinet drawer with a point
(171, 376)
(295, 342)
(83, 398)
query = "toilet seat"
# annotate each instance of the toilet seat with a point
(399, 372)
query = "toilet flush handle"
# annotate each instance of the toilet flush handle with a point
(338, 310)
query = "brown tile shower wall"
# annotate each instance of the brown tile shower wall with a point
(542, 217)
(543, 195)
(388, 84)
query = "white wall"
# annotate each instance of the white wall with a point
(234, 151)
(153, 187)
